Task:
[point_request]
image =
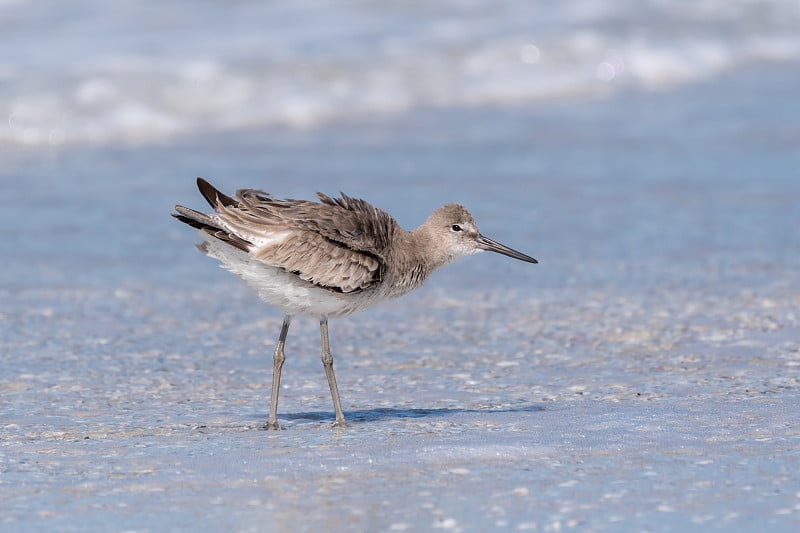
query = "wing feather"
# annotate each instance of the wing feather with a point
(323, 262)
(339, 243)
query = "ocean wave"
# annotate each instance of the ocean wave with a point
(124, 81)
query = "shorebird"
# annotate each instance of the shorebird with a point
(327, 259)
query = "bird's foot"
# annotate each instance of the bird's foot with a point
(339, 423)
(273, 425)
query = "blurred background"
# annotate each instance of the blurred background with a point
(586, 132)
(131, 71)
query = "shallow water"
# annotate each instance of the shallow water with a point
(643, 376)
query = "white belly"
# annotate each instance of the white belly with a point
(286, 290)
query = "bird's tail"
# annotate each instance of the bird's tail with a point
(195, 219)
(209, 224)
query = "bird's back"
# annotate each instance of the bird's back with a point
(296, 248)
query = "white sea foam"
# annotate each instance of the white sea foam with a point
(106, 73)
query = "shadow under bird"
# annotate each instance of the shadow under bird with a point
(327, 259)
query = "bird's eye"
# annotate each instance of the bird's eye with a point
(455, 227)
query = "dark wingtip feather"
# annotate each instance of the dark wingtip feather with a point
(207, 225)
(191, 214)
(233, 240)
(214, 196)
(190, 221)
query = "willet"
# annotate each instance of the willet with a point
(327, 259)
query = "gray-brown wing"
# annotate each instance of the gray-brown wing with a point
(347, 221)
(321, 261)
(339, 244)
(355, 223)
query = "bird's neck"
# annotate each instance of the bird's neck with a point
(415, 257)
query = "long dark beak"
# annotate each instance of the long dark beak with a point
(484, 243)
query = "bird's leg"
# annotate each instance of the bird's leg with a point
(277, 364)
(327, 362)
